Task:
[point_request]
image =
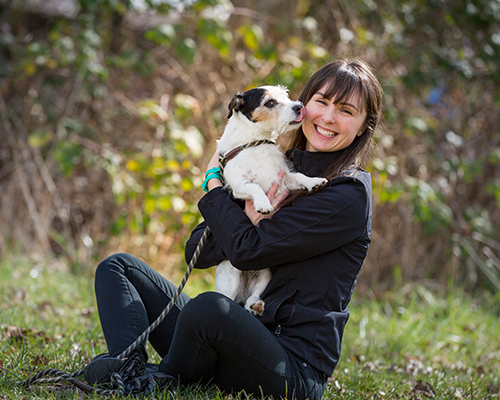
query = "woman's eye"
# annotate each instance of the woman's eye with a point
(270, 103)
(321, 101)
(347, 111)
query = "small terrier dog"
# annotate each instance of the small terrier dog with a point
(250, 161)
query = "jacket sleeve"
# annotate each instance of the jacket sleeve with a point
(211, 254)
(315, 224)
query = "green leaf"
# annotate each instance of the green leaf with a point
(216, 35)
(186, 48)
(163, 34)
(68, 156)
(494, 189)
(72, 124)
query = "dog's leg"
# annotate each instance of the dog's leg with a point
(298, 181)
(260, 201)
(247, 190)
(228, 280)
(254, 303)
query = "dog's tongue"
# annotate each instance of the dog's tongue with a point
(303, 112)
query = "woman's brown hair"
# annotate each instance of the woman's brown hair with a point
(343, 79)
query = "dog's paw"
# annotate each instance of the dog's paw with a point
(263, 207)
(321, 183)
(257, 308)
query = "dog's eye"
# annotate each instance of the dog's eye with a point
(270, 103)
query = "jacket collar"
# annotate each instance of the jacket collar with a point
(311, 163)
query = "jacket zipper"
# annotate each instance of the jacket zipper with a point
(278, 330)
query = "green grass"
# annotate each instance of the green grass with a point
(413, 343)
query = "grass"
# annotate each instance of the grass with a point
(413, 343)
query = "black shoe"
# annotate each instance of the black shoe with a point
(161, 378)
(135, 374)
(100, 369)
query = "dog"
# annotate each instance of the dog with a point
(250, 162)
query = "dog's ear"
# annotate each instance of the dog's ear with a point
(236, 104)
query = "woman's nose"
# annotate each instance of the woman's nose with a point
(329, 115)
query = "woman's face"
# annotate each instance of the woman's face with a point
(331, 127)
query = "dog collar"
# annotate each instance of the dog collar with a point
(224, 158)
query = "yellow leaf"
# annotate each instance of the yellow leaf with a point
(40, 138)
(252, 36)
(149, 205)
(133, 165)
(30, 69)
(172, 165)
(317, 52)
(187, 219)
(51, 63)
(251, 40)
(186, 185)
(165, 203)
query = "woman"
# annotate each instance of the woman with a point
(314, 244)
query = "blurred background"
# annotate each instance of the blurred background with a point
(109, 112)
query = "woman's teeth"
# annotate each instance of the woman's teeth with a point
(325, 132)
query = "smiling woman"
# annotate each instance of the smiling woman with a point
(344, 108)
(315, 247)
(344, 102)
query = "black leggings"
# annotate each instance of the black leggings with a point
(206, 339)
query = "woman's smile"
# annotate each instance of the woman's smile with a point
(325, 132)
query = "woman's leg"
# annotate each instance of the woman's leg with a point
(213, 338)
(130, 296)
(217, 339)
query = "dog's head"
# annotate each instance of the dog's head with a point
(269, 107)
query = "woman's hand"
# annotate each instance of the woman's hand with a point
(214, 161)
(275, 200)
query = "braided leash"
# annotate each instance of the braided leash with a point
(144, 336)
(57, 375)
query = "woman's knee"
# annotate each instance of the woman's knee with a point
(208, 307)
(113, 264)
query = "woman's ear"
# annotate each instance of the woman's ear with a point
(362, 130)
(366, 127)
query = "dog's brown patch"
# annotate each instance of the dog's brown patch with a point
(261, 114)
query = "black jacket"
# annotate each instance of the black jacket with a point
(315, 249)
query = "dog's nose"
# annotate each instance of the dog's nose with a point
(297, 108)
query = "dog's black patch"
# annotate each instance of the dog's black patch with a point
(246, 102)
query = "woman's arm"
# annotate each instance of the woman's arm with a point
(314, 224)
(210, 255)
(214, 163)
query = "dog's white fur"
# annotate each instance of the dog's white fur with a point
(250, 174)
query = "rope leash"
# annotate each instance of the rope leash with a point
(58, 376)
(145, 335)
